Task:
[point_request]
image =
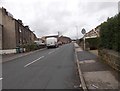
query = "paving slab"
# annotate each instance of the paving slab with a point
(100, 80)
(97, 74)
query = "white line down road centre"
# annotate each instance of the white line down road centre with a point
(1, 78)
(33, 61)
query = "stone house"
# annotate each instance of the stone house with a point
(93, 33)
(64, 39)
(14, 33)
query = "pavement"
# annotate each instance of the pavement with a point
(47, 69)
(96, 74)
(9, 57)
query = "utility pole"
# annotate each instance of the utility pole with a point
(77, 34)
(58, 33)
(77, 31)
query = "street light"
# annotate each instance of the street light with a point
(83, 32)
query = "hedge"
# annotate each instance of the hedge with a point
(110, 33)
(91, 43)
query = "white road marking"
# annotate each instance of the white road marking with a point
(51, 52)
(33, 61)
(1, 78)
(54, 51)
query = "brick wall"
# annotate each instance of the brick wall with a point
(111, 57)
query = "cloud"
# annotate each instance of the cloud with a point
(47, 17)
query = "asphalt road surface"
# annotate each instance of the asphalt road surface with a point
(47, 69)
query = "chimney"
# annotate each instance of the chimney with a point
(4, 11)
(20, 21)
(27, 27)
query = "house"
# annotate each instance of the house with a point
(64, 39)
(14, 33)
(24, 35)
(93, 33)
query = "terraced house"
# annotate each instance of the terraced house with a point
(14, 33)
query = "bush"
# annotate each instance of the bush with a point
(110, 33)
(92, 43)
(31, 47)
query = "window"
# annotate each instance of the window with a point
(20, 30)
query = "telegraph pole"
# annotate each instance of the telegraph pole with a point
(77, 31)
(58, 33)
(77, 34)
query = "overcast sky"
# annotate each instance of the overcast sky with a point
(47, 17)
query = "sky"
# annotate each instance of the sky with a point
(69, 17)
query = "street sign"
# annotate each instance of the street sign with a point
(83, 31)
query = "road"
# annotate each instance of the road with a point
(47, 69)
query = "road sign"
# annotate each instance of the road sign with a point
(83, 31)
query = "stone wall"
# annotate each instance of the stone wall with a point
(111, 57)
(9, 51)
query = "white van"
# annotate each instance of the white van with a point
(51, 42)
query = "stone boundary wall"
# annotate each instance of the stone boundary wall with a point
(111, 57)
(9, 51)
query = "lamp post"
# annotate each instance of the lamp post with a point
(83, 32)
